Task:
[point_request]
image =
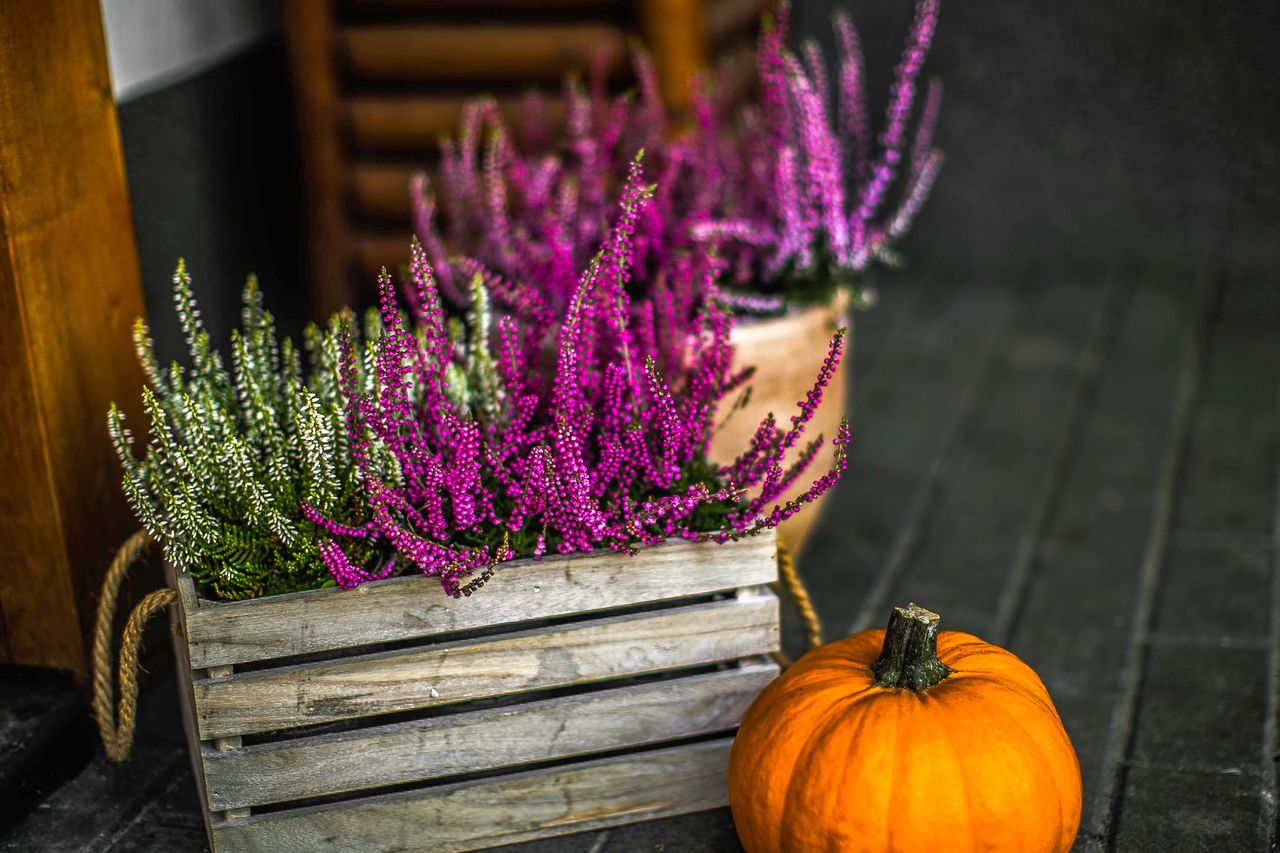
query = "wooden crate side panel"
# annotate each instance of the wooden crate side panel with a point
(414, 607)
(559, 728)
(503, 810)
(186, 602)
(519, 662)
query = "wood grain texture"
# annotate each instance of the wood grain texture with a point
(486, 739)
(478, 53)
(414, 606)
(507, 664)
(411, 124)
(380, 191)
(69, 291)
(178, 635)
(308, 28)
(780, 383)
(507, 809)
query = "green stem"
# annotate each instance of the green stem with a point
(909, 657)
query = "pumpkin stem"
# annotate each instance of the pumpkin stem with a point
(909, 657)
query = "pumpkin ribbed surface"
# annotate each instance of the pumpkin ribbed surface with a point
(827, 760)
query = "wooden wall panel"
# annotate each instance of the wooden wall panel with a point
(69, 291)
(379, 81)
(309, 39)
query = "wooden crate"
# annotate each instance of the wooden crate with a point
(569, 694)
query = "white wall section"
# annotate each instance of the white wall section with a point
(152, 44)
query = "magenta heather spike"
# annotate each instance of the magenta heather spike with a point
(605, 448)
(806, 184)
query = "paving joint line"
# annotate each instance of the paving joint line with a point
(1193, 767)
(1098, 835)
(1088, 369)
(923, 501)
(1269, 791)
(1201, 641)
(1225, 540)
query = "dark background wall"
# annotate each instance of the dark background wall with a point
(1083, 133)
(1078, 135)
(212, 177)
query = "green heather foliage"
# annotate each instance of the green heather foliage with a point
(234, 454)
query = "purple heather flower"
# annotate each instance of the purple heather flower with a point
(603, 448)
(804, 191)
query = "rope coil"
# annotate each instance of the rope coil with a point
(789, 580)
(117, 727)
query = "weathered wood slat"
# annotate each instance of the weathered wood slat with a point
(413, 607)
(487, 739)
(380, 191)
(412, 124)
(507, 664)
(489, 812)
(177, 616)
(478, 53)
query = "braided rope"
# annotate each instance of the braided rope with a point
(789, 580)
(117, 729)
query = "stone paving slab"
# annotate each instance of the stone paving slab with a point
(45, 736)
(1187, 811)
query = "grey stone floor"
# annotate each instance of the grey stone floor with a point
(1083, 470)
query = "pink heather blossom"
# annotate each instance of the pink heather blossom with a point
(603, 446)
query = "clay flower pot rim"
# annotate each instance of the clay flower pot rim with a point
(795, 320)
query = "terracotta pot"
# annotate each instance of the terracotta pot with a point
(787, 352)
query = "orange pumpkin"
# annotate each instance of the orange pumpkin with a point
(905, 740)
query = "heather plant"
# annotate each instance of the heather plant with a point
(605, 449)
(234, 454)
(795, 186)
(806, 181)
(534, 206)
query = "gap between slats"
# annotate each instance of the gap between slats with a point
(523, 661)
(487, 740)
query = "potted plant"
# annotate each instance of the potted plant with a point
(802, 207)
(792, 199)
(385, 701)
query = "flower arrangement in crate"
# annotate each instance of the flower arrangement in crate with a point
(450, 447)
(429, 455)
